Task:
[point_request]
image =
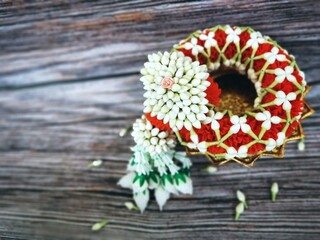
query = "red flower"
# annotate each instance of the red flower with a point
(158, 123)
(230, 51)
(213, 92)
(220, 36)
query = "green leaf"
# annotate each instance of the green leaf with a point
(178, 176)
(153, 176)
(136, 178)
(147, 155)
(132, 160)
(99, 225)
(166, 177)
(140, 178)
(185, 171)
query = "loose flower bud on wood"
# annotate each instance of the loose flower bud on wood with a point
(95, 163)
(239, 210)
(99, 225)
(131, 206)
(209, 169)
(242, 198)
(301, 145)
(274, 191)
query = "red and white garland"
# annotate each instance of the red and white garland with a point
(181, 99)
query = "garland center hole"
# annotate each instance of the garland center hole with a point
(237, 93)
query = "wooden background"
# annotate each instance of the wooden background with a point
(69, 75)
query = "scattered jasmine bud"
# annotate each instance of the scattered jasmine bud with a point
(301, 145)
(131, 206)
(239, 210)
(274, 191)
(95, 163)
(99, 225)
(124, 131)
(209, 169)
(242, 198)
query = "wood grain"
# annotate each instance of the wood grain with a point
(68, 84)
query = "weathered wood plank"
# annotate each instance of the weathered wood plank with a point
(59, 41)
(48, 140)
(197, 215)
(69, 83)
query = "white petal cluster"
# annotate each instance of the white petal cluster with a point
(193, 46)
(284, 99)
(267, 119)
(281, 74)
(181, 103)
(195, 144)
(239, 123)
(272, 56)
(255, 39)
(209, 39)
(233, 34)
(213, 118)
(151, 138)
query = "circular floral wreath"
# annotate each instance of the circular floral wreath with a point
(189, 104)
(181, 104)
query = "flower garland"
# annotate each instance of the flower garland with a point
(181, 99)
(278, 81)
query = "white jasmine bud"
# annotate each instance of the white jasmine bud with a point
(210, 169)
(301, 145)
(99, 225)
(242, 198)
(95, 163)
(274, 191)
(123, 132)
(239, 210)
(131, 206)
(150, 138)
